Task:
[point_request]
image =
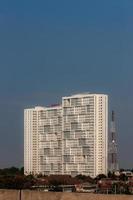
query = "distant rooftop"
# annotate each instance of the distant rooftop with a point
(82, 94)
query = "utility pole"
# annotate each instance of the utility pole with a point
(20, 194)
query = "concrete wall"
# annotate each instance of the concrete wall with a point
(9, 195)
(35, 195)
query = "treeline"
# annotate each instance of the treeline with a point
(12, 171)
(14, 178)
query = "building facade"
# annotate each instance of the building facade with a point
(42, 140)
(50, 140)
(31, 140)
(68, 139)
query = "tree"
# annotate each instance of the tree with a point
(22, 170)
(100, 176)
(110, 174)
(123, 177)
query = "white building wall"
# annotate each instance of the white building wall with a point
(50, 140)
(28, 141)
(68, 139)
(101, 134)
(85, 130)
(31, 147)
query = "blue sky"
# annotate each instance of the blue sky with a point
(50, 48)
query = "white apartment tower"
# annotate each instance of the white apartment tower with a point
(31, 140)
(42, 140)
(71, 138)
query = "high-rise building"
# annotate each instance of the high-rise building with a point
(71, 138)
(42, 140)
(50, 140)
(85, 134)
(31, 140)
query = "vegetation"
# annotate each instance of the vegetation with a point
(14, 178)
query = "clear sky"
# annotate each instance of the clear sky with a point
(52, 48)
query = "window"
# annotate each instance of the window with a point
(66, 135)
(74, 126)
(67, 158)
